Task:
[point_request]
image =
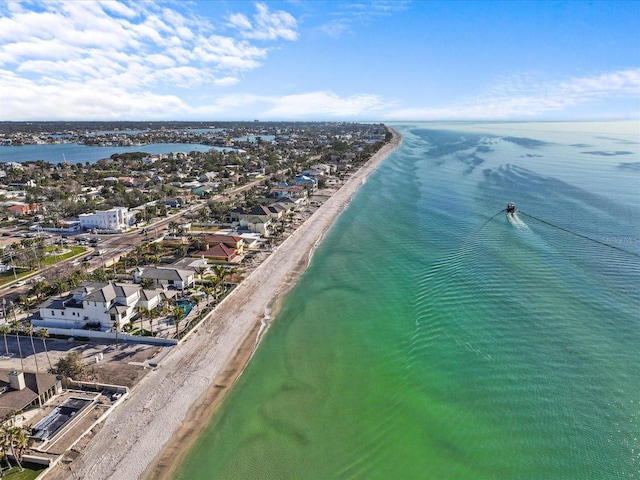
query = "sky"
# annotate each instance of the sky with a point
(319, 60)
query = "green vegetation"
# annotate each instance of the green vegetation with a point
(71, 366)
(30, 472)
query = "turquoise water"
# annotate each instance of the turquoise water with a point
(185, 305)
(434, 338)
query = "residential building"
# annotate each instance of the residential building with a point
(166, 277)
(21, 391)
(296, 193)
(117, 219)
(96, 305)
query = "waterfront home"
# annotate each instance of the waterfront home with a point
(308, 182)
(234, 241)
(296, 193)
(166, 276)
(98, 305)
(219, 253)
(22, 391)
(257, 223)
(150, 299)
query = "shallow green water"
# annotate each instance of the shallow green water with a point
(430, 340)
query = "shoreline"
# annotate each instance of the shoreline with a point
(149, 436)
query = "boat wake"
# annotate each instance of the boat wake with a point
(516, 221)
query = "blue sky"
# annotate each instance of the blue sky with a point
(314, 60)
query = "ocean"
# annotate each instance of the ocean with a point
(434, 337)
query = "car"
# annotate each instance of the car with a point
(21, 283)
(116, 396)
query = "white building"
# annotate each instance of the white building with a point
(96, 304)
(115, 219)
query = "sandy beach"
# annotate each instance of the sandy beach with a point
(149, 434)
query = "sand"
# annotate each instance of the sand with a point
(149, 434)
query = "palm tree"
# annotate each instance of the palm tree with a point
(4, 329)
(200, 271)
(23, 442)
(196, 300)
(43, 333)
(39, 288)
(5, 442)
(116, 328)
(220, 273)
(143, 313)
(178, 315)
(25, 302)
(208, 290)
(33, 347)
(15, 325)
(17, 442)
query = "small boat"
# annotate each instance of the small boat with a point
(511, 208)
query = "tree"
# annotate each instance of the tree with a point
(33, 347)
(70, 366)
(18, 442)
(220, 272)
(14, 440)
(116, 328)
(5, 446)
(178, 315)
(15, 325)
(208, 290)
(143, 313)
(43, 333)
(4, 329)
(39, 289)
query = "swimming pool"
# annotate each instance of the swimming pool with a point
(185, 304)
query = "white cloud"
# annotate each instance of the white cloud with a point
(349, 15)
(523, 97)
(320, 104)
(311, 105)
(81, 100)
(266, 25)
(120, 49)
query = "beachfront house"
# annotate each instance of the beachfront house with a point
(22, 391)
(295, 193)
(219, 253)
(306, 181)
(221, 247)
(97, 305)
(165, 277)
